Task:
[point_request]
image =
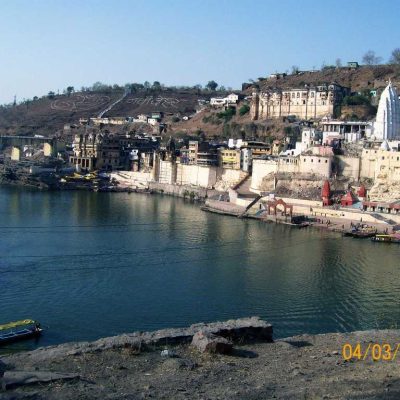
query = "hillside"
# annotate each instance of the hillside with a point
(359, 79)
(47, 116)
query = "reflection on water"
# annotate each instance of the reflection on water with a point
(88, 265)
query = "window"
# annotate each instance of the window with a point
(319, 160)
(326, 161)
(312, 160)
(298, 94)
(304, 160)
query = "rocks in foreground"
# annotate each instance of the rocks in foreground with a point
(243, 330)
(207, 342)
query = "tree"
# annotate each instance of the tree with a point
(338, 62)
(98, 86)
(370, 58)
(211, 85)
(295, 69)
(244, 109)
(51, 95)
(395, 58)
(70, 89)
(156, 85)
(146, 85)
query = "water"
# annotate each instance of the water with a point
(88, 265)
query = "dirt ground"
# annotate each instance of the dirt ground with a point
(301, 367)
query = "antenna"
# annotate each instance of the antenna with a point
(15, 100)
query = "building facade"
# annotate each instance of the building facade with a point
(306, 103)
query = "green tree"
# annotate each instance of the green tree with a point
(356, 100)
(244, 109)
(70, 89)
(212, 85)
(156, 85)
(51, 95)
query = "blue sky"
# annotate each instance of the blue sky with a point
(51, 44)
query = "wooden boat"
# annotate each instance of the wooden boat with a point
(364, 234)
(361, 232)
(19, 330)
(386, 239)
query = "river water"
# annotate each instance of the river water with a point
(88, 265)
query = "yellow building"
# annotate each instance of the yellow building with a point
(380, 163)
(229, 158)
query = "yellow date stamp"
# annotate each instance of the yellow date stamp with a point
(370, 351)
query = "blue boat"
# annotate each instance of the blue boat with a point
(19, 330)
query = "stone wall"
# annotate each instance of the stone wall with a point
(348, 167)
(196, 175)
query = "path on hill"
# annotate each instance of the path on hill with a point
(112, 105)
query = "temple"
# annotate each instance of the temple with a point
(387, 124)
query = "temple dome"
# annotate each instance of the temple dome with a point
(387, 124)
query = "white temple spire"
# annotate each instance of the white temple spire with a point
(387, 124)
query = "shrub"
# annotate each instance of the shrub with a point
(244, 109)
(227, 114)
(356, 100)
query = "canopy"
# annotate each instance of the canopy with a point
(16, 323)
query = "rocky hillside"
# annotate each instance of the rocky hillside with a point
(48, 115)
(359, 79)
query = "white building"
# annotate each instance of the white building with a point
(235, 143)
(349, 131)
(232, 98)
(387, 123)
(222, 101)
(217, 101)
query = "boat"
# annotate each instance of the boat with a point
(385, 239)
(19, 330)
(361, 232)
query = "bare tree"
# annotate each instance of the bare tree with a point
(295, 69)
(338, 62)
(370, 58)
(395, 57)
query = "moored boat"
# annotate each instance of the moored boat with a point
(19, 330)
(384, 238)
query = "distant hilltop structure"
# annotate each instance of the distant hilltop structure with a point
(309, 102)
(387, 123)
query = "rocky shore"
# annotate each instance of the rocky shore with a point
(170, 364)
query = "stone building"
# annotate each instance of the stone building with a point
(306, 103)
(380, 163)
(304, 164)
(110, 152)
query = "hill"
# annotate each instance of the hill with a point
(46, 115)
(365, 77)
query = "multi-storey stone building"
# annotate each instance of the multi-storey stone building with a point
(110, 152)
(306, 103)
